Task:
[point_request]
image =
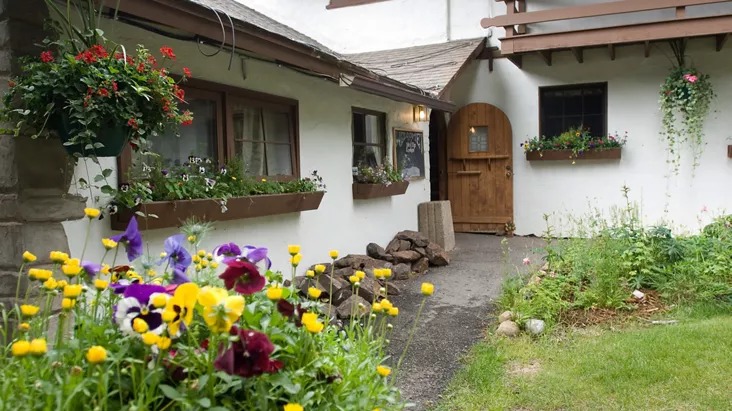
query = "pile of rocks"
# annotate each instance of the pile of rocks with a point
(507, 327)
(409, 254)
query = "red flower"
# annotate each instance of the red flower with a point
(242, 276)
(46, 56)
(87, 57)
(187, 72)
(289, 310)
(179, 92)
(12, 84)
(151, 60)
(103, 92)
(140, 67)
(132, 123)
(167, 52)
(114, 86)
(99, 51)
(187, 119)
(249, 356)
(166, 105)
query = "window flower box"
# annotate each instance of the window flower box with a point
(172, 213)
(363, 191)
(591, 154)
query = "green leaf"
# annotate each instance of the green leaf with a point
(107, 172)
(171, 392)
(204, 402)
(107, 189)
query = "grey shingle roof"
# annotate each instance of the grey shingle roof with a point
(238, 11)
(429, 67)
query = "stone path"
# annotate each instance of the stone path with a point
(455, 317)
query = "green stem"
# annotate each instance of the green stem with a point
(411, 335)
(86, 239)
(17, 285)
(60, 330)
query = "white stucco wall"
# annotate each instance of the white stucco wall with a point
(325, 145)
(381, 26)
(633, 84)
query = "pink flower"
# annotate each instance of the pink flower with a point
(691, 78)
(46, 57)
(704, 209)
(527, 261)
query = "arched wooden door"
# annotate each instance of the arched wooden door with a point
(480, 169)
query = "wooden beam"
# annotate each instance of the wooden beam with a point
(521, 8)
(546, 56)
(589, 10)
(663, 30)
(517, 60)
(720, 39)
(647, 49)
(490, 64)
(611, 50)
(335, 4)
(578, 54)
(680, 12)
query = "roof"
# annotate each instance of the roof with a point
(238, 11)
(430, 67)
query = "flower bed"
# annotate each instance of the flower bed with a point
(362, 191)
(575, 143)
(191, 330)
(171, 213)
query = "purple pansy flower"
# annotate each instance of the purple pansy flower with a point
(91, 269)
(132, 240)
(257, 255)
(137, 303)
(177, 257)
(242, 276)
(226, 251)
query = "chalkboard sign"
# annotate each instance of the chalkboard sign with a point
(409, 153)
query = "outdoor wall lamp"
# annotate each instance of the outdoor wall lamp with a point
(420, 113)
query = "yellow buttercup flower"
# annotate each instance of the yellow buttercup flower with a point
(201, 253)
(311, 323)
(105, 269)
(353, 279)
(191, 239)
(96, 354)
(379, 273)
(163, 254)
(140, 326)
(62, 284)
(314, 293)
(72, 290)
(39, 274)
(20, 348)
(310, 273)
(199, 267)
(209, 256)
(196, 259)
(29, 310)
(295, 259)
(428, 288)
(150, 338)
(386, 304)
(386, 272)
(383, 370)
(360, 275)
(293, 249)
(333, 254)
(320, 268)
(101, 285)
(214, 264)
(29, 257)
(71, 268)
(23, 327)
(204, 263)
(92, 212)
(377, 308)
(68, 304)
(393, 311)
(274, 293)
(38, 346)
(108, 243)
(50, 284)
(164, 343)
(293, 406)
(58, 257)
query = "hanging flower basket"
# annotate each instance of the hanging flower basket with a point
(114, 138)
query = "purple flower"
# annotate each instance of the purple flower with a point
(137, 303)
(256, 254)
(249, 356)
(132, 240)
(242, 276)
(226, 251)
(91, 269)
(176, 254)
(179, 277)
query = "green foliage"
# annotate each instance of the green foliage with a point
(577, 139)
(382, 174)
(202, 178)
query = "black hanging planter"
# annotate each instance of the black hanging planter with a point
(114, 138)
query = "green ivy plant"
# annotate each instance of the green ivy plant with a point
(685, 98)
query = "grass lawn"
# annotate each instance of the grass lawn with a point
(684, 366)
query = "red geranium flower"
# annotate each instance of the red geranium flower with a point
(167, 52)
(249, 356)
(242, 276)
(187, 72)
(12, 84)
(179, 92)
(140, 67)
(132, 123)
(99, 51)
(46, 56)
(87, 57)
(114, 86)
(104, 92)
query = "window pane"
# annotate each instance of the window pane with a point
(478, 139)
(253, 156)
(197, 139)
(279, 160)
(367, 156)
(373, 131)
(565, 107)
(247, 123)
(276, 126)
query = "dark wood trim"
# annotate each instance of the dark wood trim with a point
(589, 10)
(367, 191)
(398, 94)
(336, 4)
(729, 151)
(382, 144)
(546, 56)
(571, 87)
(719, 41)
(480, 49)
(172, 213)
(578, 54)
(593, 154)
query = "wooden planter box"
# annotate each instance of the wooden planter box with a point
(552, 155)
(173, 213)
(366, 191)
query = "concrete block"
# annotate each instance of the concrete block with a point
(8, 206)
(11, 247)
(42, 238)
(435, 221)
(8, 173)
(50, 208)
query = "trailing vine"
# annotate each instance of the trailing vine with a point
(686, 96)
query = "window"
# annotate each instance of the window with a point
(565, 107)
(258, 128)
(369, 138)
(334, 4)
(478, 139)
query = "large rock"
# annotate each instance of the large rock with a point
(437, 255)
(338, 282)
(393, 245)
(421, 251)
(401, 271)
(359, 262)
(505, 316)
(344, 272)
(304, 285)
(327, 267)
(404, 245)
(508, 329)
(392, 289)
(354, 306)
(369, 289)
(374, 250)
(415, 237)
(535, 326)
(408, 256)
(331, 311)
(421, 265)
(340, 296)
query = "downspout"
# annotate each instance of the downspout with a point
(447, 22)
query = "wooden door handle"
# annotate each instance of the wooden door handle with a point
(469, 172)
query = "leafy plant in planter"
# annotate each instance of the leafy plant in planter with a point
(685, 98)
(381, 174)
(576, 139)
(95, 95)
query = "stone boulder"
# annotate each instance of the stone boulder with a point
(359, 262)
(404, 245)
(392, 289)
(437, 255)
(421, 266)
(535, 326)
(401, 271)
(338, 282)
(354, 306)
(508, 329)
(374, 250)
(393, 245)
(414, 237)
(408, 256)
(340, 296)
(505, 316)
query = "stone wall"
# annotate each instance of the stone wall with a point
(34, 174)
